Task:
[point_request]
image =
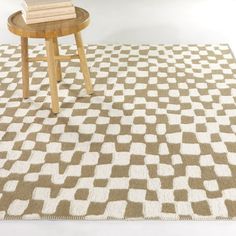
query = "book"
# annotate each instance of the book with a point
(48, 12)
(36, 5)
(49, 18)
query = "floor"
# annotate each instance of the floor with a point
(152, 21)
(116, 228)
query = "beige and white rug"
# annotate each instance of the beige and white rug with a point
(157, 140)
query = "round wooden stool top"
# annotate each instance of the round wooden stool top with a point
(17, 25)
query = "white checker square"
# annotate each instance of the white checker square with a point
(218, 207)
(138, 129)
(203, 137)
(176, 159)
(128, 106)
(17, 207)
(31, 177)
(41, 193)
(150, 138)
(196, 195)
(154, 184)
(152, 159)
(121, 158)
(118, 183)
(174, 93)
(137, 195)
(174, 119)
(152, 209)
(69, 137)
(174, 137)
(102, 120)
(222, 170)
(150, 119)
(231, 158)
(98, 194)
(98, 138)
(47, 121)
(71, 170)
(165, 195)
(43, 137)
(190, 149)
(58, 129)
(227, 100)
(193, 171)
(103, 171)
(20, 167)
(10, 185)
(37, 157)
(180, 182)
(13, 155)
(87, 128)
(138, 172)
(161, 129)
(108, 148)
(183, 208)
(78, 207)
(206, 160)
(165, 170)
(34, 128)
(211, 185)
(152, 93)
(138, 148)
(219, 147)
(153, 80)
(229, 194)
(89, 158)
(113, 129)
(163, 149)
(54, 147)
(14, 127)
(116, 209)
(43, 113)
(85, 182)
(124, 138)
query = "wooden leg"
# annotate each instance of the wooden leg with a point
(25, 66)
(57, 62)
(52, 75)
(83, 63)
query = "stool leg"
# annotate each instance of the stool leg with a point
(83, 63)
(52, 75)
(25, 66)
(57, 62)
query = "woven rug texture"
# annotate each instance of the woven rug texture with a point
(157, 139)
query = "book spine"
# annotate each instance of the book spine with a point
(48, 19)
(49, 12)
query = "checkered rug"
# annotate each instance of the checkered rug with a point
(157, 139)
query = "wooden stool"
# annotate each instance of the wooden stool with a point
(50, 31)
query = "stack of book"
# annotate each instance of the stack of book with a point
(39, 11)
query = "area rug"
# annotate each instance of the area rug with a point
(157, 139)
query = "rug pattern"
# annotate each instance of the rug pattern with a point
(157, 139)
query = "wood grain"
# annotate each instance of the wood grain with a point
(57, 62)
(17, 25)
(52, 74)
(25, 66)
(83, 63)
